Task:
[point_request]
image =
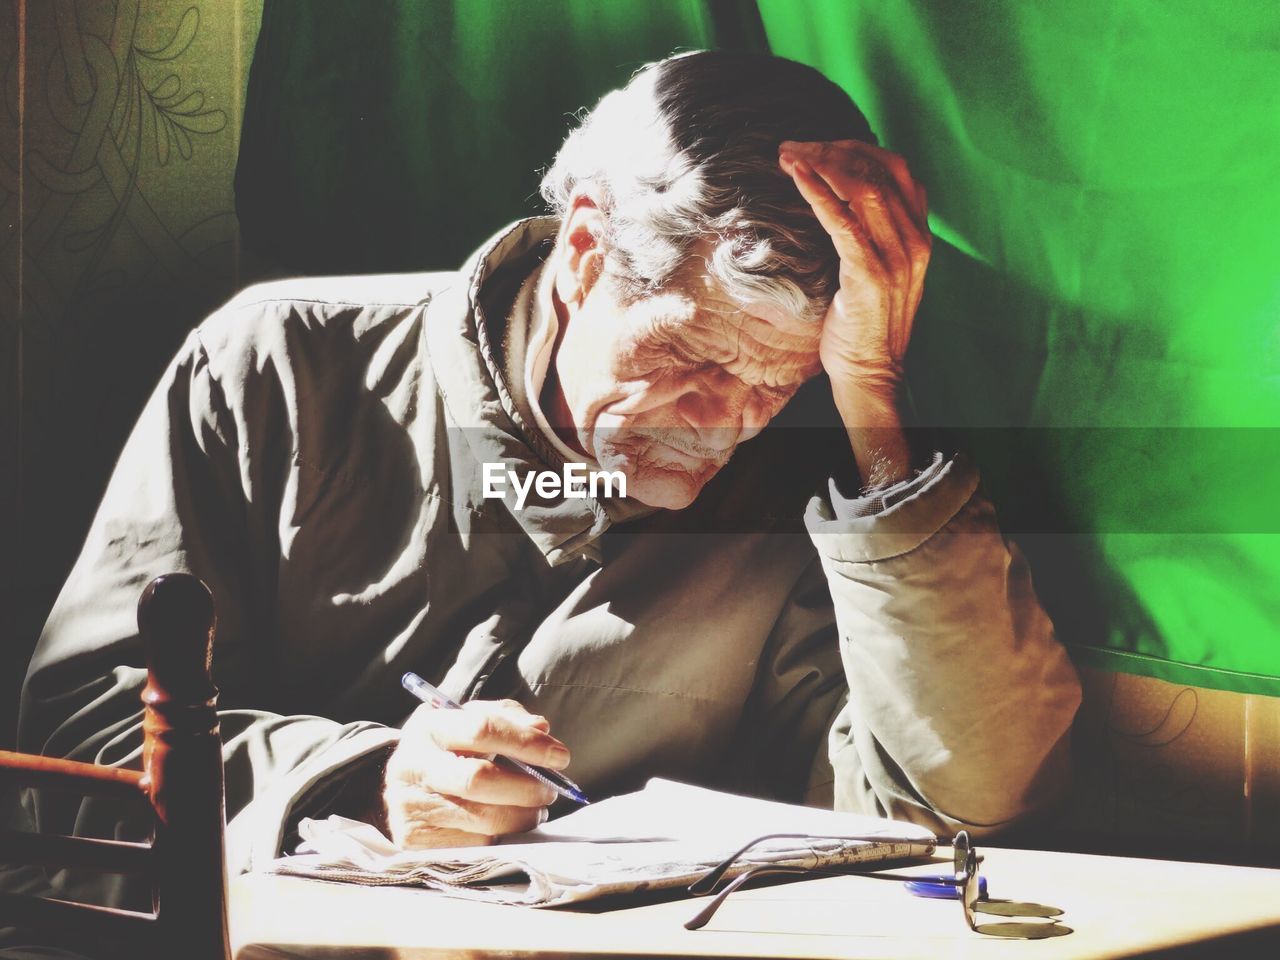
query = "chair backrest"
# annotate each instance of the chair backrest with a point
(181, 781)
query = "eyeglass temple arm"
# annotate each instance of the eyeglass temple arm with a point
(707, 912)
(707, 882)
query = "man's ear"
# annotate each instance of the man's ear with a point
(579, 250)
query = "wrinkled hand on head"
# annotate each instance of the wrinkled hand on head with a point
(877, 217)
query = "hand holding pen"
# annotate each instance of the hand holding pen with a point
(451, 780)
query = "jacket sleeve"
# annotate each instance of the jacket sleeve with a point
(180, 499)
(959, 699)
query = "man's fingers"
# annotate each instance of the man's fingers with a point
(881, 208)
(880, 213)
(909, 191)
(877, 216)
(919, 249)
(443, 788)
(413, 835)
(515, 709)
(880, 231)
(922, 206)
(850, 237)
(483, 781)
(915, 261)
(488, 728)
(848, 163)
(496, 821)
(880, 191)
(420, 817)
(849, 167)
(917, 243)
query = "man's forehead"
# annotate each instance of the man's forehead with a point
(699, 322)
(700, 283)
(698, 294)
(719, 329)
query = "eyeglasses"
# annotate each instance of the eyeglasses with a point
(965, 885)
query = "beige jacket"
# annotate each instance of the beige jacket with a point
(313, 453)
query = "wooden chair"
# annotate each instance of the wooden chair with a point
(182, 784)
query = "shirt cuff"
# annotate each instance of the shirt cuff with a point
(880, 500)
(894, 521)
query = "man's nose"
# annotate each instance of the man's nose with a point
(715, 414)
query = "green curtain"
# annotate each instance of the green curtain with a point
(1103, 316)
(1100, 322)
(399, 134)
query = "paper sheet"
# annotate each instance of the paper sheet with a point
(665, 835)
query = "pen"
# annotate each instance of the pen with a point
(556, 781)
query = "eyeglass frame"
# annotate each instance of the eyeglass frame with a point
(965, 862)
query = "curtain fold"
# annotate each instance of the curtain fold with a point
(1102, 318)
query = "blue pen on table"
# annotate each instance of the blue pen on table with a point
(437, 698)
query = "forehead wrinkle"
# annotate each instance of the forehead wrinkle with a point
(714, 338)
(776, 351)
(788, 371)
(709, 294)
(772, 337)
(773, 378)
(712, 299)
(696, 315)
(749, 348)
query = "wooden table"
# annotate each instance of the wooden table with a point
(1113, 907)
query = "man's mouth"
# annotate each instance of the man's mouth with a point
(659, 448)
(682, 456)
(679, 457)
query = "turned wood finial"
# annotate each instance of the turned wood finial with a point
(181, 777)
(176, 621)
(182, 764)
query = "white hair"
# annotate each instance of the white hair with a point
(683, 162)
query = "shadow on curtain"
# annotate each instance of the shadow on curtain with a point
(1100, 321)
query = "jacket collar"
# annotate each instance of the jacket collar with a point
(460, 348)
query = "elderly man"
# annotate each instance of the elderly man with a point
(349, 462)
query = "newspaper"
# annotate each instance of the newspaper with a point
(666, 835)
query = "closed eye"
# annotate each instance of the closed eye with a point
(777, 395)
(679, 355)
